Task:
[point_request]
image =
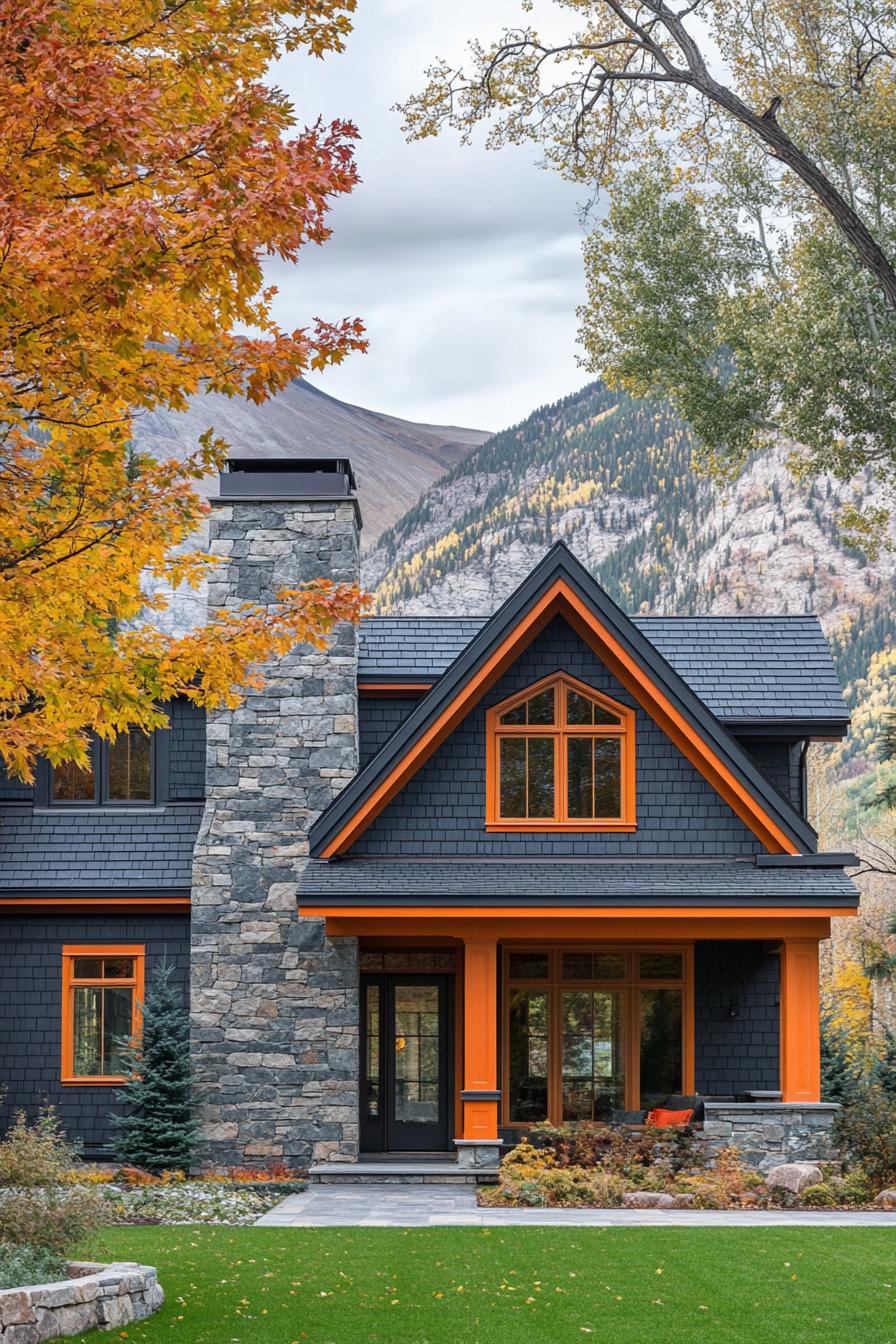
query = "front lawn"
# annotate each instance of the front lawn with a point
(228, 1285)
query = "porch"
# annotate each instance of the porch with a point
(476, 1025)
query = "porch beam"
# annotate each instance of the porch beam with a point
(559, 924)
(480, 1095)
(800, 1021)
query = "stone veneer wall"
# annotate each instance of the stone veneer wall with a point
(274, 1002)
(95, 1296)
(768, 1133)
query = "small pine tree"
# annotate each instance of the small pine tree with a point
(884, 1071)
(158, 1129)
(838, 1077)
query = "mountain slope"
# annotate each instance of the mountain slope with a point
(615, 479)
(394, 460)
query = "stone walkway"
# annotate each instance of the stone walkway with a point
(455, 1206)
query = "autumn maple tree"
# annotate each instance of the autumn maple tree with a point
(146, 170)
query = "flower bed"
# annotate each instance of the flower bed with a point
(192, 1202)
(594, 1166)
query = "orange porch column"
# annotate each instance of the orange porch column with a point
(800, 1021)
(480, 1096)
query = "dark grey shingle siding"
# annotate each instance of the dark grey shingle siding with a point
(378, 717)
(31, 1011)
(736, 1054)
(742, 667)
(186, 752)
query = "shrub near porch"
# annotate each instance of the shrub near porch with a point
(596, 1166)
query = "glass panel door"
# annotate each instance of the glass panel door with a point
(593, 1043)
(661, 1055)
(407, 1089)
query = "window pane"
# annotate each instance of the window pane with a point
(118, 968)
(129, 773)
(660, 1013)
(578, 709)
(607, 777)
(528, 1051)
(528, 965)
(593, 1053)
(416, 1054)
(541, 707)
(602, 715)
(87, 1027)
(577, 966)
(661, 966)
(372, 1071)
(517, 715)
(580, 780)
(541, 776)
(593, 966)
(513, 776)
(117, 1028)
(71, 784)
(609, 965)
(88, 968)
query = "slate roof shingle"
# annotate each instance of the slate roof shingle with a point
(97, 849)
(742, 667)
(585, 882)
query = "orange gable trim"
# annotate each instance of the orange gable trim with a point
(560, 599)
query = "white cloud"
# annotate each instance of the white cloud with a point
(464, 263)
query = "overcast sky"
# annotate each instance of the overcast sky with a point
(464, 264)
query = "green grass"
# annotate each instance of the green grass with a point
(515, 1285)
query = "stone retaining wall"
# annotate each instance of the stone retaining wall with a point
(105, 1297)
(768, 1133)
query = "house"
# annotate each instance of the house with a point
(445, 878)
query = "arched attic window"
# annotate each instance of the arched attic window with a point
(561, 756)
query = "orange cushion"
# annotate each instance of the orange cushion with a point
(659, 1117)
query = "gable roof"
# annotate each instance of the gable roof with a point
(748, 670)
(560, 585)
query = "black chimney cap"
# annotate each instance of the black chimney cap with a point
(287, 478)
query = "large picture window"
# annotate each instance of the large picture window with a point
(560, 755)
(101, 990)
(589, 1032)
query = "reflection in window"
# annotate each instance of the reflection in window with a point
(416, 1046)
(100, 1017)
(594, 779)
(660, 966)
(528, 965)
(73, 784)
(593, 1053)
(528, 1055)
(593, 965)
(372, 1062)
(128, 768)
(527, 777)
(661, 1056)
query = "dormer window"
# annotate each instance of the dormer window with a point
(560, 755)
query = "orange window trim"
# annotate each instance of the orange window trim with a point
(560, 732)
(135, 950)
(630, 986)
(561, 600)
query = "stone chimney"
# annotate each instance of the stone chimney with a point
(274, 1001)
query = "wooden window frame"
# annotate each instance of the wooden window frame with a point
(70, 982)
(630, 985)
(560, 732)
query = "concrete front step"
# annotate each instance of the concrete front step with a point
(398, 1173)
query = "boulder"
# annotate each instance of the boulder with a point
(794, 1176)
(886, 1199)
(685, 1201)
(647, 1199)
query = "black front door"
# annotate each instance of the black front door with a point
(406, 1056)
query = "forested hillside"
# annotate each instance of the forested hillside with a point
(615, 479)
